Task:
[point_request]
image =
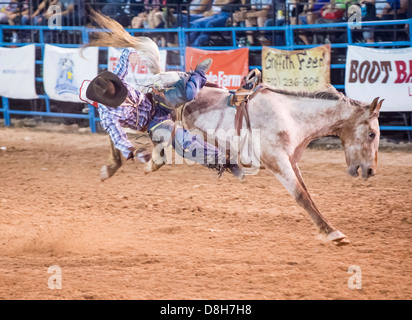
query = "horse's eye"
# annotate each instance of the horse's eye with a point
(372, 135)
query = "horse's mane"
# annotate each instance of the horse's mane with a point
(329, 93)
(116, 36)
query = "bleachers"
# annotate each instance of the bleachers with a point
(282, 36)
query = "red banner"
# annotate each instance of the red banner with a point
(228, 67)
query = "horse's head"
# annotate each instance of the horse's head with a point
(360, 140)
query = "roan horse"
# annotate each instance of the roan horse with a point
(287, 123)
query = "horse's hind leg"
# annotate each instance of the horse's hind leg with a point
(291, 179)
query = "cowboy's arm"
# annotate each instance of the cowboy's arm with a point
(110, 122)
(128, 56)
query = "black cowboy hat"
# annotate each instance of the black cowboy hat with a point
(98, 90)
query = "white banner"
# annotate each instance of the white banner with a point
(17, 72)
(64, 70)
(138, 76)
(384, 73)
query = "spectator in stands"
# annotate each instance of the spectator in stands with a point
(38, 10)
(195, 11)
(4, 6)
(220, 13)
(331, 12)
(14, 11)
(151, 18)
(68, 13)
(368, 11)
(312, 11)
(395, 9)
(136, 7)
(305, 14)
(255, 16)
(115, 9)
(13, 14)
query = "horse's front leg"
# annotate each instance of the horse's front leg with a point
(290, 177)
(331, 234)
(155, 162)
(113, 163)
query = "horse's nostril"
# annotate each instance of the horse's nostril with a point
(370, 172)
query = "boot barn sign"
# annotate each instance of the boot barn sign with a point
(384, 73)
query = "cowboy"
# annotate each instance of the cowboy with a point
(120, 105)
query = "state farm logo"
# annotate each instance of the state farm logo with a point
(224, 80)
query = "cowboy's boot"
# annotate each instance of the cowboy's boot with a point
(204, 65)
(217, 164)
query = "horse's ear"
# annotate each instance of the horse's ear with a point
(375, 107)
(380, 105)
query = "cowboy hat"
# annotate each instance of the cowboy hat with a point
(98, 90)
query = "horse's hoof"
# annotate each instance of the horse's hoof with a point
(335, 235)
(104, 173)
(151, 167)
(341, 242)
(338, 238)
(148, 167)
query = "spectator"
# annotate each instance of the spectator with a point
(37, 18)
(215, 19)
(256, 16)
(395, 9)
(312, 11)
(281, 9)
(4, 6)
(115, 9)
(13, 13)
(151, 18)
(306, 15)
(196, 10)
(70, 11)
(136, 7)
(368, 10)
(334, 11)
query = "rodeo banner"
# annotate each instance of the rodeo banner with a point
(228, 67)
(17, 72)
(384, 73)
(307, 69)
(137, 75)
(65, 69)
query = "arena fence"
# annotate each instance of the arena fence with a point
(288, 32)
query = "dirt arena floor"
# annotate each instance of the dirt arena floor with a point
(181, 233)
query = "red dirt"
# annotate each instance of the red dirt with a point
(181, 233)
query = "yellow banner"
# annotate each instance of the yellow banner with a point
(307, 69)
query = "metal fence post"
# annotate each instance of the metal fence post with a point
(6, 113)
(92, 122)
(182, 44)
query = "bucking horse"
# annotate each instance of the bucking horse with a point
(286, 122)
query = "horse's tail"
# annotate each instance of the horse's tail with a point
(116, 36)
